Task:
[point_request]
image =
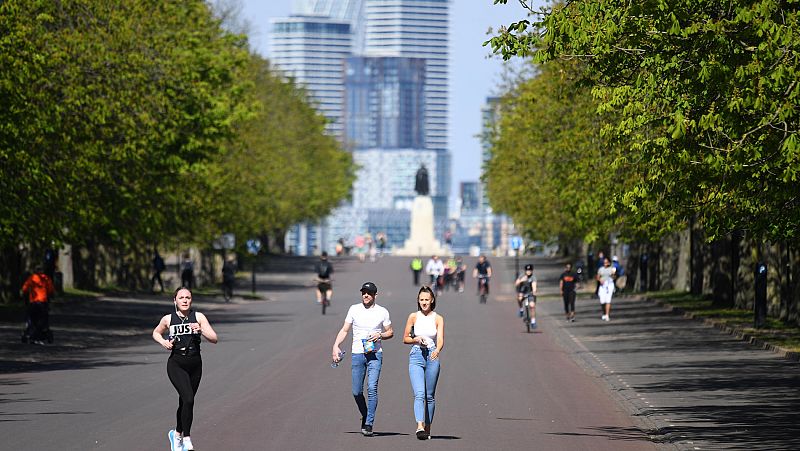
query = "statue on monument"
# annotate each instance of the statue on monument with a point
(421, 184)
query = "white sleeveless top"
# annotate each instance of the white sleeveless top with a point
(425, 326)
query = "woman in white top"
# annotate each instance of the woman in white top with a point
(425, 332)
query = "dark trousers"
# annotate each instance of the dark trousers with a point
(186, 278)
(416, 276)
(157, 278)
(38, 320)
(185, 373)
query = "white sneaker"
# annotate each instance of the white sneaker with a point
(175, 441)
(604, 318)
(187, 444)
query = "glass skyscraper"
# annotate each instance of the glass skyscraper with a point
(312, 50)
(385, 103)
(419, 29)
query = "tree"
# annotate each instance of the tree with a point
(706, 95)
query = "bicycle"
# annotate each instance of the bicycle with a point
(483, 288)
(323, 286)
(526, 302)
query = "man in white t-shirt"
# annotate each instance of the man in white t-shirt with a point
(371, 324)
(435, 269)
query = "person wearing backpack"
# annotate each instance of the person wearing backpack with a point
(324, 270)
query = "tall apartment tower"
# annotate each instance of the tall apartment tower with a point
(348, 10)
(419, 29)
(312, 49)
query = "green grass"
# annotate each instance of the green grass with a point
(775, 331)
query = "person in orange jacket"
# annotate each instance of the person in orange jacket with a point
(39, 289)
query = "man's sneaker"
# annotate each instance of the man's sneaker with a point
(367, 430)
(187, 444)
(521, 313)
(175, 440)
(533, 324)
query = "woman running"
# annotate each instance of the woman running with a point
(425, 332)
(184, 366)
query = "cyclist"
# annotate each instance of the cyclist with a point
(461, 269)
(435, 269)
(482, 271)
(526, 287)
(324, 269)
(450, 273)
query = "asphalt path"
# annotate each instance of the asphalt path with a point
(268, 383)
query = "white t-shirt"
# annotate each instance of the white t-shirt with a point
(366, 321)
(434, 267)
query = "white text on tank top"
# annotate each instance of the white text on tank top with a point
(425, 326)
(366, 321)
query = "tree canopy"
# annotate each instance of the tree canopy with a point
(141, 121)
(704, 100)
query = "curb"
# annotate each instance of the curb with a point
(737, 332)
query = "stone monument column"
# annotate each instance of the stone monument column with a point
(421, 241)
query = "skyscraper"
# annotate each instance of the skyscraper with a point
(312, 50)
(351, 11)
(385, 102)
(419, 29)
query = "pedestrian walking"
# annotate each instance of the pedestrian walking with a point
(39, 289)
(185, 327)
(228, 277)
(567, 283)
(158, 268)
(605, 279)
(187, 272)
(425, 333)
(370, 324)
(416, 268)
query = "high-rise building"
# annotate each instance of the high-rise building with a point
(385, 103)
(311, 50)
(419, 29)
(351, 11)
(416, 29)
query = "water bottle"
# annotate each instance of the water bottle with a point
(335, 364)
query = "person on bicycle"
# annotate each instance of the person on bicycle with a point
(435, 270)
(461, 270)
(483, 272)
(324, 271)
(526, 288)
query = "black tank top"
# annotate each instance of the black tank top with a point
(186, 342)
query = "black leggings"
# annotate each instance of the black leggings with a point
(185, 372)
(569, 302)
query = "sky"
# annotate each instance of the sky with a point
(473, 76)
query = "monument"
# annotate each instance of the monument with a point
(421, 241)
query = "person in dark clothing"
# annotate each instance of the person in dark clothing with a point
(228, 277)
(158, 268)
(324, 270)
(566, 283)
(187, 272)
(184, 327)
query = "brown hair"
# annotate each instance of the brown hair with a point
(427, 289)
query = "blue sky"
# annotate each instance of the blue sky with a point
(473, 76)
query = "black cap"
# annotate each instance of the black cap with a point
(369, 287)
(529, 266)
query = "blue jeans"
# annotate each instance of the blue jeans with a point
(424, 374)
(368, 365)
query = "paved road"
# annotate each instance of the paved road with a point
(268, 383)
